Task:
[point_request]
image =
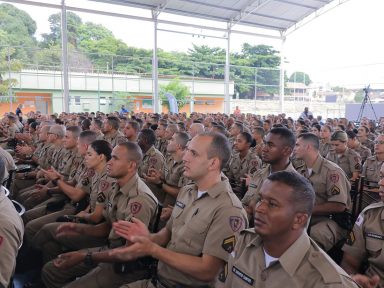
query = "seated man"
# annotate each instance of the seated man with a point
(278, 251)
(363, 252)
(11, 235)
(195, 244)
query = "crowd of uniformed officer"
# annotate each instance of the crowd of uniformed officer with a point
(205, 200)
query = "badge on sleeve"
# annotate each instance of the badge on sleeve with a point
(224, 273)
(229, 244)
(235, 222)
(334, 178)
(357, 166)
(335, 190)
(359, 220)
(90, 173)
(104, 185)
(351, 238)
(101, 197)
(153, 161)
(135, 207)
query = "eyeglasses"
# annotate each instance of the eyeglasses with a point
(379, 142)
(50, 133)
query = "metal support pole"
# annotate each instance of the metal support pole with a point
(227, 103)
(155, 73)
(192, 98)
(9, 78)
(282, 70)
(64, 52)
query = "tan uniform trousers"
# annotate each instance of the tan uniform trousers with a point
(46, 241)
(327, 234)
(36, 218)
(21, 185)
(102, 275)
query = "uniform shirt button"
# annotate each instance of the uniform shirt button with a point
(263, 275)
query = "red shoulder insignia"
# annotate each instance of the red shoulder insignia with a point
(334, 178)
(104, 185)
(135, 207)
(235, 222)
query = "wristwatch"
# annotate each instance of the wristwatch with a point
(88, 261)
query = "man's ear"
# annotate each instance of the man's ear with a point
(300, 220)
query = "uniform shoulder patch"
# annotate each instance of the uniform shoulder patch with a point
(90, 173)
(229, 244)
(335, 190)
(101, 197)
(334, 178)
(104, 185)
(135, 207)
(351, 238)
(235, 222)
(152, 161)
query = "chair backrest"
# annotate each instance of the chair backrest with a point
(6, 191)
(19, 208)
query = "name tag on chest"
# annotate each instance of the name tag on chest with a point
(247, 279)
(180, 204)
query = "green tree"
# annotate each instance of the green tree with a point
(300, 77)
(74, 22)
(7, 64)
(177, 89)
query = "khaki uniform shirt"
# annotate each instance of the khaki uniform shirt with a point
(70, 160)
(364, 152)
(366, 241)
(152, 158)
(205, 225)
(257, 180)
(349, 161)
(115, 139)
(371, 170)
(11, 131)
(11, 238)
(239, 167)
(101, 186)
(57, 156)
(369, 144)
(324, 149)
(330, 184)
(303, 264)
(83, 178)
(45, 155)
(133, 199)
(161, 145)
(99, 135)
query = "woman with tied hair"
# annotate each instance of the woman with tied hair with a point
(11, 235)
(98, 154)
(325, 139)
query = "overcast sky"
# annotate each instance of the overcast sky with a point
(342, 46)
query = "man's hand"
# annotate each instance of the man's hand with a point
(51, 174)
(70, 229)
(128, 229)
(40, 193)
(24, 150)
(153, 176)
(141, 246)
(365, 281)
(70, 259)
(166, 213)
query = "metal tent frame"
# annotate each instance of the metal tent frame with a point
(275, 18)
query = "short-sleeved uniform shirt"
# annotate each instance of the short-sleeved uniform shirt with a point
(57, 155)
(239, 167)
(46, 155)
(366, 241)
(161, 145)
(349, 161)
(101, 186)
(11, 237)
(371, 170)
(324, 149)
(330, 184)
(364, 152)
(134, 199)
(151, 159)
(202, 225)
(257, 180)
(69, 163)
(115, 139)
(303, 264)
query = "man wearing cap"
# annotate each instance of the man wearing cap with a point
(346, 158)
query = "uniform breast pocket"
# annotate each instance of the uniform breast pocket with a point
(374, 246)
(196, 231)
